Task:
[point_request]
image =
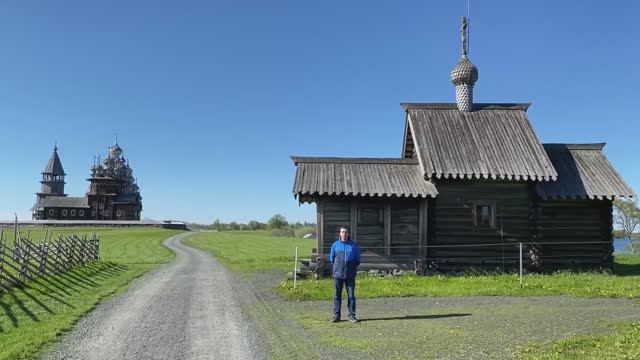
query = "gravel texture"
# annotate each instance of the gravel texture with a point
(186, 310)
(461, 327)
(472, 327)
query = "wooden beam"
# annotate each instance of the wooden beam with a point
(387, 229)
(354, 219)
(320, 228)
(422, 226)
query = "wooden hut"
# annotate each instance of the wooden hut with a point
(472, 184)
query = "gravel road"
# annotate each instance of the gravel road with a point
(186, 310)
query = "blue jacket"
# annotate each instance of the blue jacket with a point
(345, 257)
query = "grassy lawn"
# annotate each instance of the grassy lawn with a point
(624, 282)
(34, 316)
(622, 344)
(251, 250)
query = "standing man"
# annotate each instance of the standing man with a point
(345, 256)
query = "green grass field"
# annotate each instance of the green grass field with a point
(624, 282)
(34, 316)
(251, 250)
(624, 343)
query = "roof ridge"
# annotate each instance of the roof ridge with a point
(476, 106)
(353, 160)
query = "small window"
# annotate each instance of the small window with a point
(51, 212)
(73, 213)
(81, 213)
(484, 215)
(64, 212)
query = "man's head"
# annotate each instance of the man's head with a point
(344, 233)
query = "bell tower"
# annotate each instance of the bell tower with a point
(52, 182)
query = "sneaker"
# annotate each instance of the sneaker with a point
(353, 319)
(335, 320)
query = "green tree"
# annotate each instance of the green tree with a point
(277, 221)
(254, 225)
(627, 216)
(217, 225)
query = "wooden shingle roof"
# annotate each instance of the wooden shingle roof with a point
(62, 202)
(583, 172)
(494, 141)
(54, 165)
(375, 177)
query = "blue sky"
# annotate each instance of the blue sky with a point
(209, 99)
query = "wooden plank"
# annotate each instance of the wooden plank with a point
(354, 219)
(422, 229)
(320, 228)
(387, 229)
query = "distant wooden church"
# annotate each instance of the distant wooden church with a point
(473, 182)
(113, 193)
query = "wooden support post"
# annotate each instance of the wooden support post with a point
(320, 228)
(354, 219)
(387, 229)
(422, 229)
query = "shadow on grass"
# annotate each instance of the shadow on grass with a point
(415, 317)
(25, 299)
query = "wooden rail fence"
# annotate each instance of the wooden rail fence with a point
(24, 259)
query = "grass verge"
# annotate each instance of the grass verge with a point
(623, 282)
(624, 343)
(35, 315)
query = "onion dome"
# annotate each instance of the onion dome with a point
(115, 150)
(464, 72)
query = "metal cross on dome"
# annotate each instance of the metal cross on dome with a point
(464, 30)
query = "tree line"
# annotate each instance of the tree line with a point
(276, 222)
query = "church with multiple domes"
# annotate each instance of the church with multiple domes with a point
(112, 195)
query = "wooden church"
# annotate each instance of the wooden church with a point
(113, 192)
(472, 184)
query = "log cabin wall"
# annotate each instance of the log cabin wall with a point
(385, 229)
(332, 213)
(566, 222)
(405, 228)
(454, 221)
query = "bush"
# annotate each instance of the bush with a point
(300, 232)
(282, 233)
(277, 222)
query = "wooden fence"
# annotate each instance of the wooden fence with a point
(25, 259)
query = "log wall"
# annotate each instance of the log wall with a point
(384, 228)
(452, 223)
(569, 222)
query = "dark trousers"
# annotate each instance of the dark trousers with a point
(351, 297)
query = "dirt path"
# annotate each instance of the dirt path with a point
(187, 310)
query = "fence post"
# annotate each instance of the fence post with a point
(295, 270)
(520, 264)
(2, 251)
